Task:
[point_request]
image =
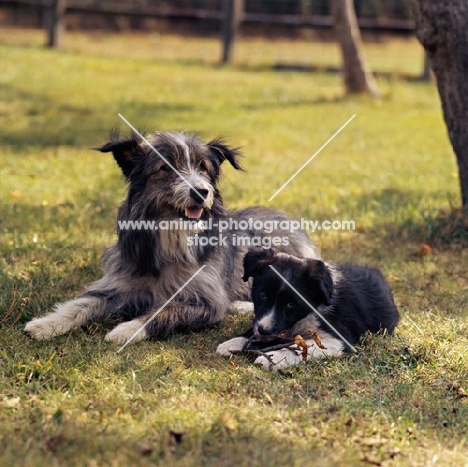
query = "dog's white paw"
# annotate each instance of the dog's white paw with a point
(241, 307)
(279, 358)
(48, 326)
(65, 317)
(232, 345)
(122, 333)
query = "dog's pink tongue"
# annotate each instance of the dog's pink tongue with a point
(193, 213)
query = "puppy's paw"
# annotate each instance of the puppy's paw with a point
(232, 345)
(280, 358)
(241, 307)
(131, 330)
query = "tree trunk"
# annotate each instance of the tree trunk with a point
(441, 27)
(357, 76)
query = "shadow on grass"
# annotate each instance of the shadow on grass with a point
(302, 103)
(447, 227)
(322, 69)
(334, 70)
(401, 215)
(106, 439)
(91, 213)
(54, 124)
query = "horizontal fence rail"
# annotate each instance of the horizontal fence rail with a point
(171, 12)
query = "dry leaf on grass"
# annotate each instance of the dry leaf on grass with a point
(10, 403)
(145, 448)
(460, 392)
(316, 338)
(372, 441)
(286, 334)
(424, 250)
(53, 443)
(228, 421)
(370, 459)
(15, 194)
(300, 342)
(349, 422)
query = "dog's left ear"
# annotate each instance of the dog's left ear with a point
(124, 151)
(255, 259)
(225, 153)
(320, 278)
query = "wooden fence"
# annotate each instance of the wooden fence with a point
(230, 17)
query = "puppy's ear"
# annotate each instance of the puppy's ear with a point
(321, 280)
(124, 151)
(225, 153)
(255, 259)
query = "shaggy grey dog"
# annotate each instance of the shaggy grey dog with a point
(172, 178)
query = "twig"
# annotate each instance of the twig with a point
(273, 347)
(262, 353)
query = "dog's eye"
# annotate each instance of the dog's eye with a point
(203, 166)
(165, 168)
(291, 305)
(263, 295)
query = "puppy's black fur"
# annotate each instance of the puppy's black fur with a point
(340, 302)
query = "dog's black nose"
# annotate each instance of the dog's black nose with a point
(263, 331)
(199, 195)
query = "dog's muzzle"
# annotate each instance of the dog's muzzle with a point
(199, 195)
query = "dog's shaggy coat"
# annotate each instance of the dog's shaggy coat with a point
(146, 267)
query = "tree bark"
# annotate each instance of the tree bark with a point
(441, 27)
(357, 76)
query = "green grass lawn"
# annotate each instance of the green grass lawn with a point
(75, 401)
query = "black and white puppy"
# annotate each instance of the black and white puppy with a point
(340, 303)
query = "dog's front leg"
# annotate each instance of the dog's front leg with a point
(241, 307)
(155, 323)
(227, 348)
(67, 316)
(293, 355)
(282, 358)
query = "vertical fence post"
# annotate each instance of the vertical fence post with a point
(233, 11)
(56, 23)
